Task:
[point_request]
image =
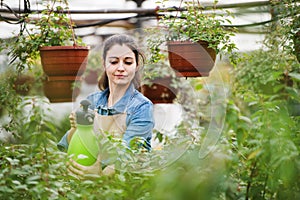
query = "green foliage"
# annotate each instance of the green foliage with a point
(54, 25)
(53, 28)
(9, 99)
(266, 71)
(286, 13)
(257, 157)
(30, 172)
(33, 168)
(193, 25)
(262, 130)
(265, 150)
(191, 177)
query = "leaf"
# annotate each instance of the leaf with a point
(293, 92)
(33, 178)
(254, 154)
(245, 119)
(295, 76)
(121, 178)
(16, 182)
(89, 182)
(252, 103)
(32, 182)
(13, 161)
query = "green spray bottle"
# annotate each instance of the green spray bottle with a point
(83, 147)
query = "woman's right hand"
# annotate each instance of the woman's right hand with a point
(85, 172)
(72, 118)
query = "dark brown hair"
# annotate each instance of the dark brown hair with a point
(122, 39)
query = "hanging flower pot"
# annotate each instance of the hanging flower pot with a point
(160, 91)
(190, 59)
(183, 32)
(91, 76)
(61, 88)
(64, 60)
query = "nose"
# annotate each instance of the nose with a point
(121, 66)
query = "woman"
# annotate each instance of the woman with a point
(122, 110)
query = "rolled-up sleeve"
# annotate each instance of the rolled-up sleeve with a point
(63, 144)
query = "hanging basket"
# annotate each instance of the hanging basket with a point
(190, 59)
(91, 76)
(61, 88)
(64, 60)
(160, 91)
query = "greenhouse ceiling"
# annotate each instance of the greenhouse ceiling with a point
(96, 18)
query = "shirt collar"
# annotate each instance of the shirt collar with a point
(120, 106)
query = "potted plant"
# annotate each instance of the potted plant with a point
(159, 84)
(193, 39)
(52, 38)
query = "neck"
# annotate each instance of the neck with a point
(116, 92)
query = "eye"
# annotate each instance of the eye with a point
(114, 62)
(128, 62)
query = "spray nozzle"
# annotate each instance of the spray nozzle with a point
(85, 104)
(84, 115)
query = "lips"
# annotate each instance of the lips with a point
(120, 75)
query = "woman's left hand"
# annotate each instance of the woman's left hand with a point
(85, 172)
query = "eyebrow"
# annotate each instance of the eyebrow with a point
(114, 57)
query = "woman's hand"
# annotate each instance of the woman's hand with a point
(85, 172)
(72, 118)
(109, 170)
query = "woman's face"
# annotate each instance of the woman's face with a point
(120, 65)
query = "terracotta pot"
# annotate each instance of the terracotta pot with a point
(64, 60)
(91, 77)
(60, 88)
(191, 59)
(160, 91)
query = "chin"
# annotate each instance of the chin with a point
(122, 83)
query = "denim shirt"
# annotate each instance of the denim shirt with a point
(139, 110)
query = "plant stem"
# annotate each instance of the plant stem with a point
(71, 27)
(265, 185)
(250, 180)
